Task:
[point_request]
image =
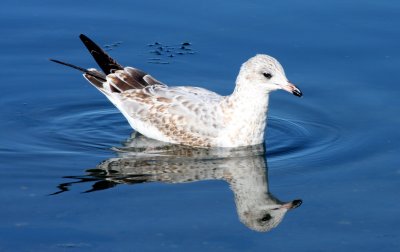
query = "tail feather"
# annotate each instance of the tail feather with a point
(114, 78)
(93, 74)
(105, 62)
(95, 81)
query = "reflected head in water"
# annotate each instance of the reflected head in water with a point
(144, 160)
(265, 217)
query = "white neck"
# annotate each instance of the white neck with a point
(245, 114)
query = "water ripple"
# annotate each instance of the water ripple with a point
(294, 138)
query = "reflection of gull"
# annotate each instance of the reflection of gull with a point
(146, 160)
(190, 115)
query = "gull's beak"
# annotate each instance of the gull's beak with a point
(292, 89)
(292, 205)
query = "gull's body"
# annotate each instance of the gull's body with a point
(191, 115)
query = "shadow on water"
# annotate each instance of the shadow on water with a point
(143, 160)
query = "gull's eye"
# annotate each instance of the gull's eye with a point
(267, 75)
(266, 217)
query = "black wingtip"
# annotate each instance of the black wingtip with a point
(87, 41)
(86, 71)
(105, 62)
(69, 65)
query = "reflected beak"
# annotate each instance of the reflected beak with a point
(292, 205)
(292, 89)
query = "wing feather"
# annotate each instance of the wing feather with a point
(131, 78)
(182, 114)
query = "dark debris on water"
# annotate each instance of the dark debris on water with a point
(111, 46)
(165, 53)
(161, 54)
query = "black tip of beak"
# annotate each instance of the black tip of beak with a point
(298, 202)
(297, 93)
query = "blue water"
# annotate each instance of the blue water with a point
(336, 148)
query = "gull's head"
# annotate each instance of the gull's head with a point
(264, 218)
(266, 73)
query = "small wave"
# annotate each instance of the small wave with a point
(294, 138)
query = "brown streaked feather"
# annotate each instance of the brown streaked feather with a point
(128, 79)
(118, 83)
(137, 77)
(151, 81)
(143, 78)
(135, 73)
(131, 78)
(98, 74)
(95, 81)
(114, 89)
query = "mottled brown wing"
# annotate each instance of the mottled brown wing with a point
(179, 115)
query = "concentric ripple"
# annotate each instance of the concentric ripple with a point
(76, 126)
(295, 138)
(91, 126)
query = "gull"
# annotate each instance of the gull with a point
(187, 115)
